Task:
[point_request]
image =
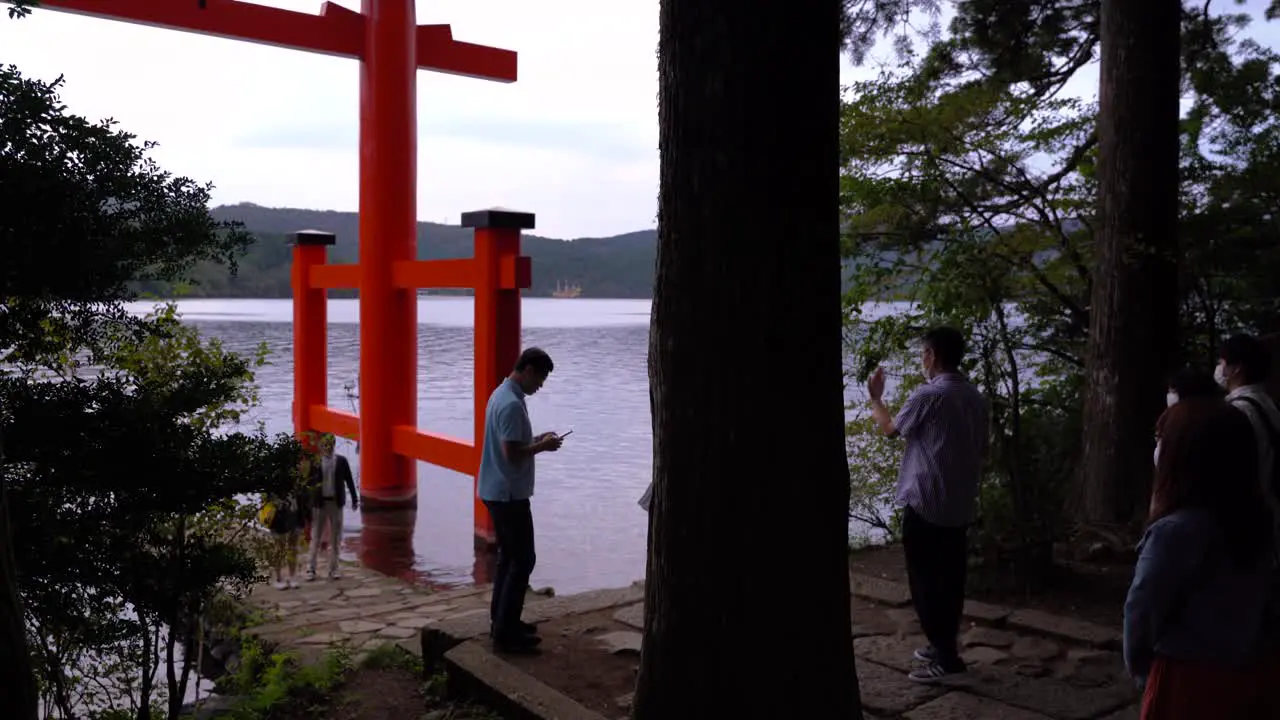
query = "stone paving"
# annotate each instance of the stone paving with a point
(363, 609)
(1024, 664)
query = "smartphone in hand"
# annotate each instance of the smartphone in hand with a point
(565, 435)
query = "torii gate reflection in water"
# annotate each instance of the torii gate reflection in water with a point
(391, 47)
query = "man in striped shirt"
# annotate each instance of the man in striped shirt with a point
(944, 422)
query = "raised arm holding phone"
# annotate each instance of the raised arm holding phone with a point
(944, 424)
(505, 486)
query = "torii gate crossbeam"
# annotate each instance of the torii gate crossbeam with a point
(335, 31)
(391, 47)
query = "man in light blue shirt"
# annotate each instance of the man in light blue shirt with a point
(505, 482)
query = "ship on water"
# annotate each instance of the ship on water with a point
(566, 290)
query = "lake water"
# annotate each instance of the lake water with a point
(590, 532)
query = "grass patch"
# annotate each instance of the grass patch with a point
(385, 683)
(392, 657)
(274, 685)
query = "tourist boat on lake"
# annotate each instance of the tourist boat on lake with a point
(566, 290)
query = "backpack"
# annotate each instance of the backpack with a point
(1273, 437)
(267, 515)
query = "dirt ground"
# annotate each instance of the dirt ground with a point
(387, 693)
(378, 693)
(576, 662)
(1088, 591)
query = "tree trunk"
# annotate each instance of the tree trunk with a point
(18, 691)
(175, 621)
(747, 599)
(1133, 328)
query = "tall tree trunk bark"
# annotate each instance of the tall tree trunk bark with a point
(18, 692)
(745, 370)
(1133, 328)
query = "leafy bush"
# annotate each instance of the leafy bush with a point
(126, 471)
(272, 684)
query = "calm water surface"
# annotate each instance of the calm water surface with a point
(590, 532)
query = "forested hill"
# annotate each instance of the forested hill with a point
(612, 267)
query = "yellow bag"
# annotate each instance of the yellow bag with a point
(267, 514)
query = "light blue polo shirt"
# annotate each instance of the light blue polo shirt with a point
(506, 419)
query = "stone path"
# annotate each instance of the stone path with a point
(364, 609)
(1024, 664)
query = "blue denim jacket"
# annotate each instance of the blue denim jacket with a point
(1189, 601)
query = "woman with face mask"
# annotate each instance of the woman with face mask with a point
(1185, 384)
(1200, 620)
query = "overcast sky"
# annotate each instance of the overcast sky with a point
(575, 140)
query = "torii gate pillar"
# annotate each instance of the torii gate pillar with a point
(388, 235)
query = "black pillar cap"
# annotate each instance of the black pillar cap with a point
(498, 218)
(314, 237)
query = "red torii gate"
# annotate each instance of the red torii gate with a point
(390, 45)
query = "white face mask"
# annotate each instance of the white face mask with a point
(1220, 374)
(924, 368)
(1171, 399)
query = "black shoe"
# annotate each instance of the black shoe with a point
(518, 645)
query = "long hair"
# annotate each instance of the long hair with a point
(1209, 460)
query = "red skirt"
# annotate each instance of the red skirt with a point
(1195, 691)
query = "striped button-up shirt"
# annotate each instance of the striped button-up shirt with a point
(944, 423)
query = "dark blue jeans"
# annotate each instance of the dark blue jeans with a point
(513, 524)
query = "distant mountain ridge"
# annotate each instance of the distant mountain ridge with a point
(620, 266)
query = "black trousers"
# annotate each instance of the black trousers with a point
(513, 524)
(937, 562)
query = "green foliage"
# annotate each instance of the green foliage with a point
(1028, 47)
(875, 459)
(1231, 145)
(126, 473)
(277, 685)
(968, 187)
(87, 212)
(274, 685)
(125, 503)
(436, 689)
(392, 656)
(20, 8)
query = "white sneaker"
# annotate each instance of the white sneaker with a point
(281, 585)
(335, 574)
(293, 583)
(311, 575)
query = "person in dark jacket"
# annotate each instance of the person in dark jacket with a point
(331, 481)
